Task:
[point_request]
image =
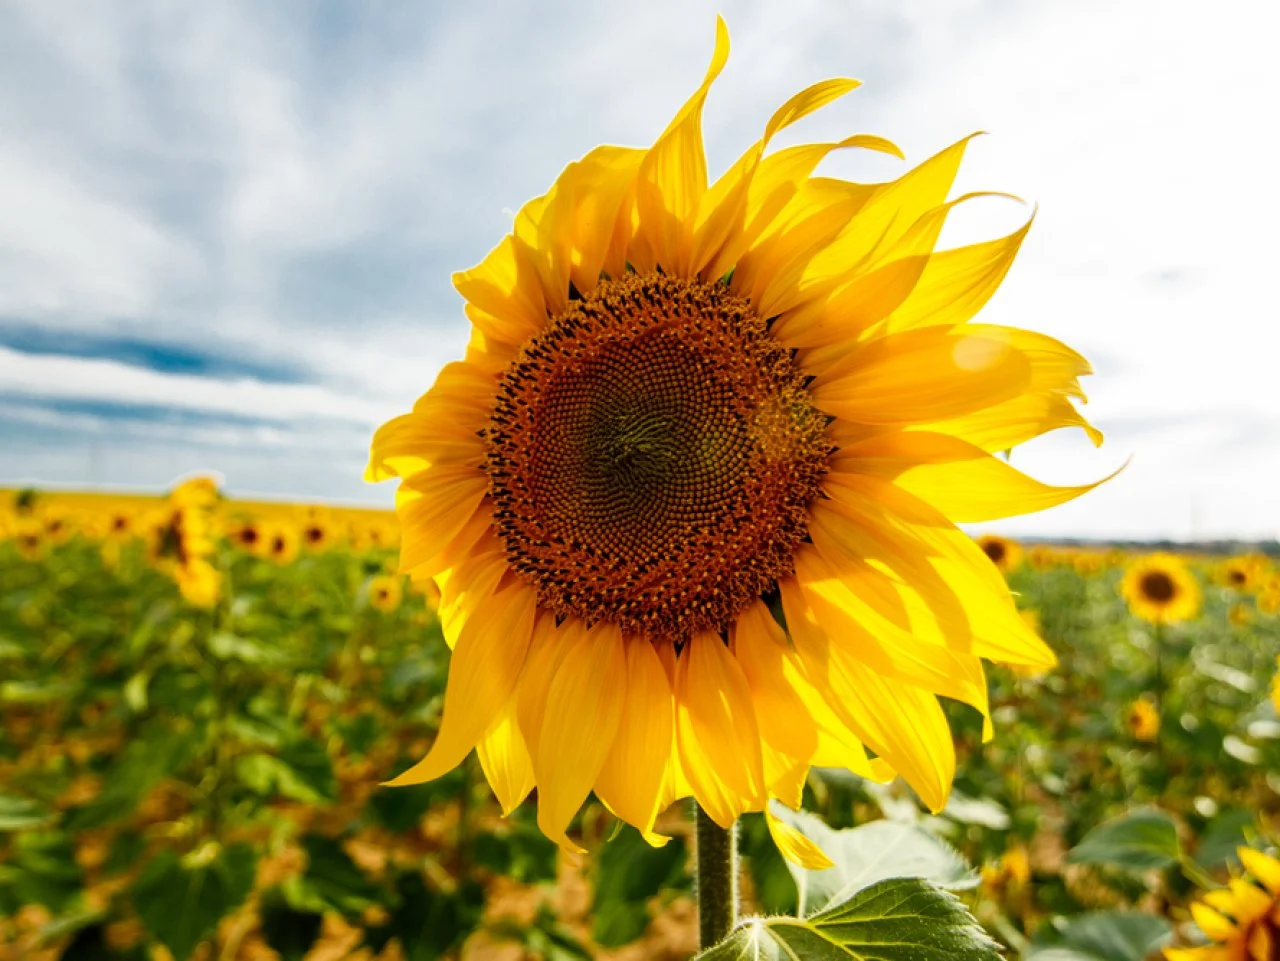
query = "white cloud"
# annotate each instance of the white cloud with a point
(231, 179)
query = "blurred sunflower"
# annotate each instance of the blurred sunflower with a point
(1275, 687)
(1243, 919)
(1143, 719)
(1241, 573)
(28, 537)
(247, 535)
(1161, 590)
(1269, 596)
(180, 541)
(385, 592)
(57, 525)
(1004, 553)
(121, 525)
(689, 498)
(280, 543)
(315, 527)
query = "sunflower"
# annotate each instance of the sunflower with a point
(28, 537)
(1275, 687)
(1004, 553)
(689, 496)
(315, 527)
(385, 593)
(1143, 719)
(1242, 573)
(1161, 590)
(1243, 919)
(120, 525)
(180, 540)
(247, 535)
(280, 543)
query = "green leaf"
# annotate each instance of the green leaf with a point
(628, 872)
(427, 922)
(870, 853)
(1222, 836)
(902, 919)
(41, 868)
(22, 814)
(332, 881)
(1139, 841)
(521, 852)
(302, 771)
(288, 932)
(181, 906)
(143, 763)
(1104, 936)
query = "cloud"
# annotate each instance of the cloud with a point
(278, 197)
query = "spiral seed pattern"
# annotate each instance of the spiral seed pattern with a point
(652, 455)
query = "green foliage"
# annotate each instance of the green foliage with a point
(628, 872)
(1138, 841)
(902, 919)
(865, 855)
(182, 900)
(1102, 936)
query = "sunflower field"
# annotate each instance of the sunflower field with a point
(201, 699)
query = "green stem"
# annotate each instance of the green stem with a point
(717, 856)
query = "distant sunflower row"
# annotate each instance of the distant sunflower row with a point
(182, 531)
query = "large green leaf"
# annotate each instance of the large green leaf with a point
(1141, 840)
(870, 853)
(1221, 837)
(181, 904)
(1104, 936)
(902, 919)
(628, 872)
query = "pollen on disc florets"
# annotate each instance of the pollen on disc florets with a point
(652, 456)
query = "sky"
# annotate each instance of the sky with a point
(227, 230)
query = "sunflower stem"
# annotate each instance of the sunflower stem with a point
(717, 857)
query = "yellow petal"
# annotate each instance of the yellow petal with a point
(775, 678)
(947, 579)
(483, 673)
(904, 725)
(857, 296)
(855, 612)
(1214, 925)
(505, 761)
(960, 479)
(1261, 941)
(569, 230)
(789, 216)
(631, 779)
(550, 644)
(724, 207)
(673, 175)
(956, 284)
(716, 732)
(434, 506)
(1265, 869)
(1251, 902)
(922, 375)
(506, 288)
(1044, 405)
(584, 707)
(794, 846)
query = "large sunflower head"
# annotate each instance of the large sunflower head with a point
(689, 497)
(1242, 920)
(1160, 589)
